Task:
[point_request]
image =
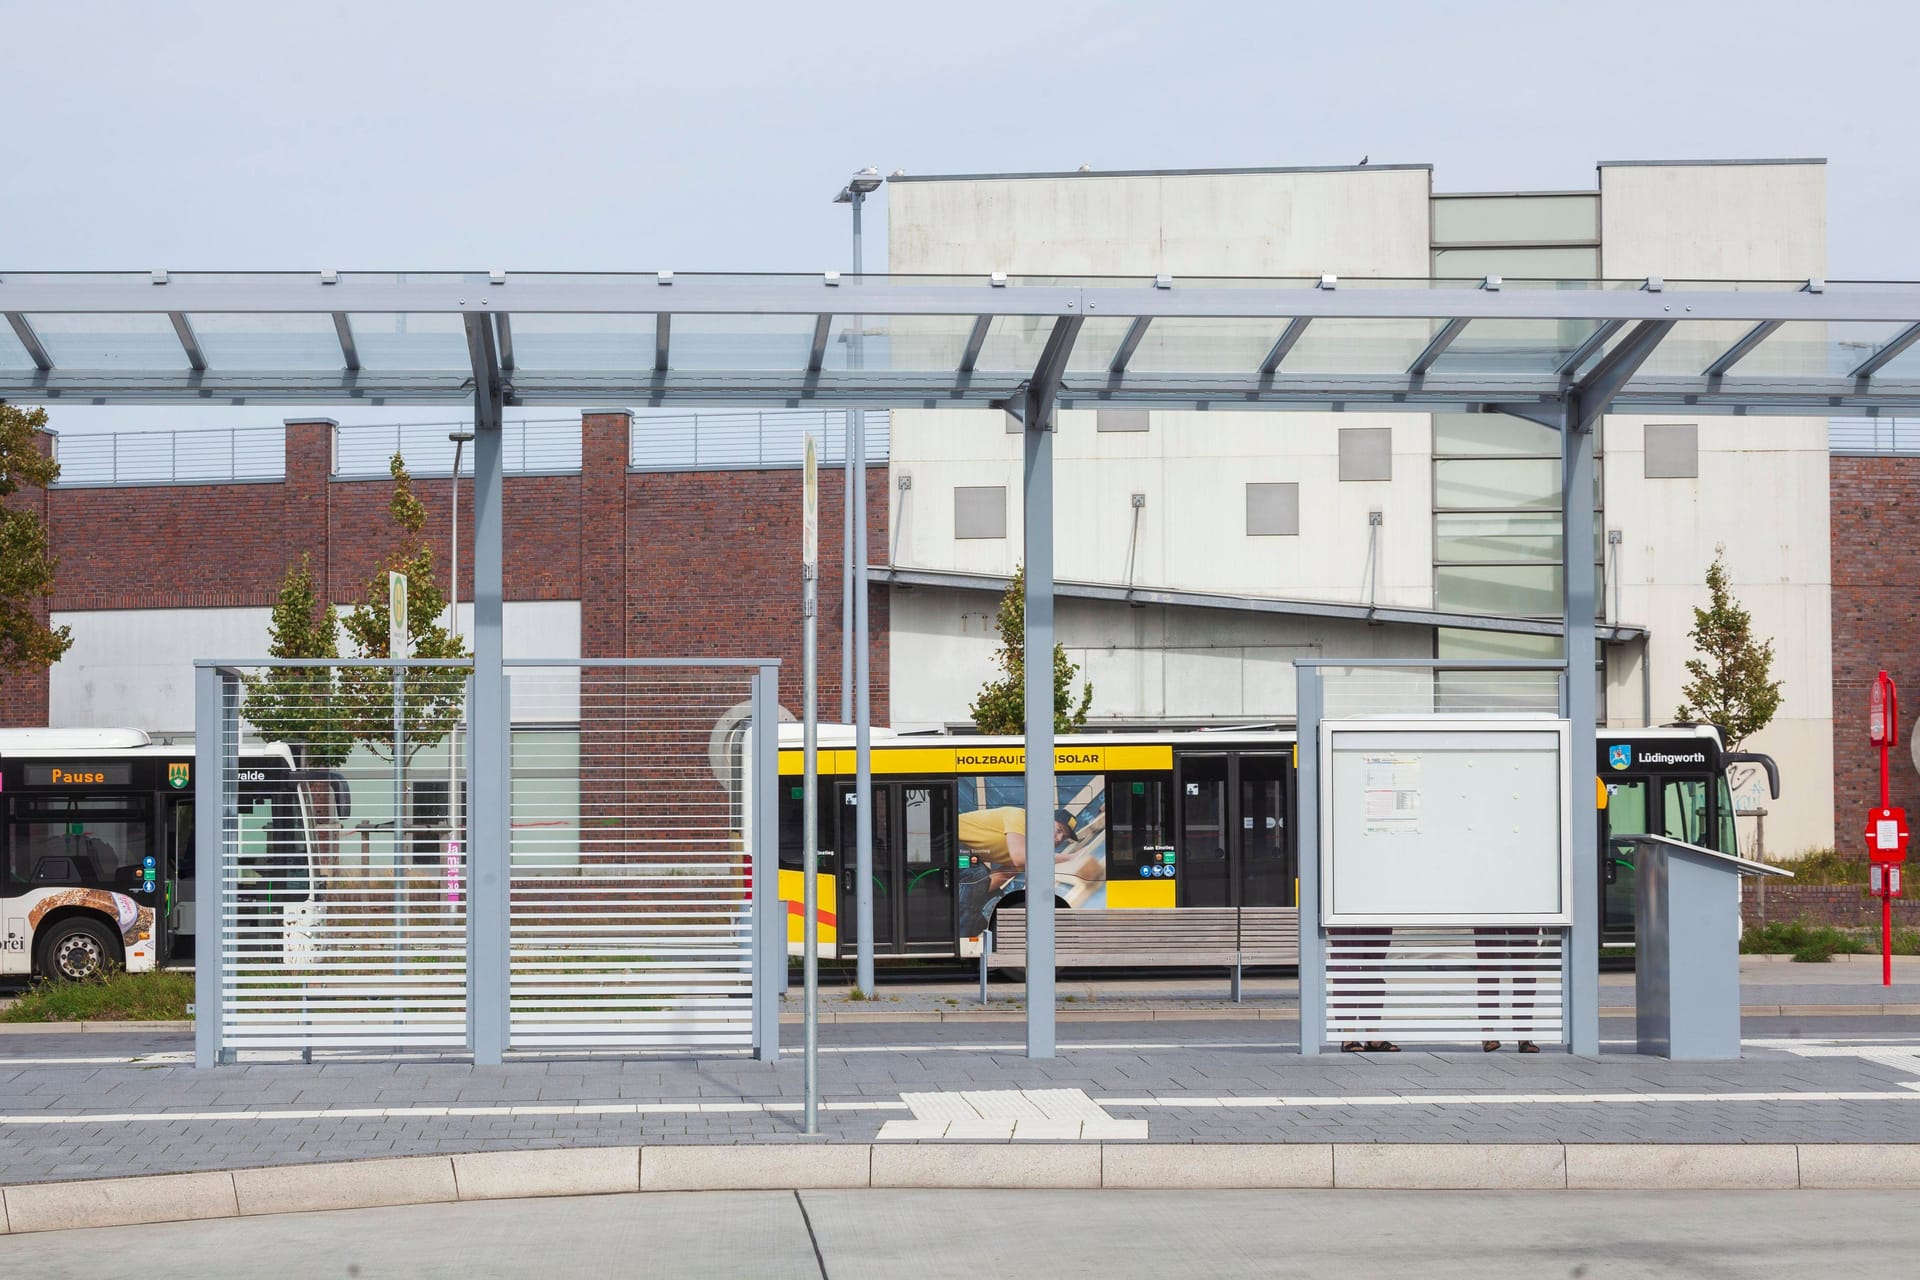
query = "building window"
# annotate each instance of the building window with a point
(1120, 419)
(1366, 453)
(980, 511)
(1273, 510)
(1672, 453)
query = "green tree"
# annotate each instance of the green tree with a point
(1001, 706)
(297, 705)
(434, 697)
(27, 564)
(1729, 683)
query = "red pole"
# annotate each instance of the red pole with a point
(1886, 935)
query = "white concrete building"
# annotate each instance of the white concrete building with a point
(1199, 554)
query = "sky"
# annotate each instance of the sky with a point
(575, 135)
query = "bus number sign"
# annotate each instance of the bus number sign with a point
(1887, 835)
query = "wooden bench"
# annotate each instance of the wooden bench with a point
(1116, 938)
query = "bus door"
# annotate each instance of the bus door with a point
(913, 866)
(177, 879)
(1233, 843)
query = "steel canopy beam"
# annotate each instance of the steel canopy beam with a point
(30, 340)
(1879, 359)
(1438, 347)
(817, 353)
(1129, 344)
(503, 333)
(188, 342)
(1585, 351)
(1742, 349)
(1283, 344)
(1591, 394)
(350, 353)
(662, 340)
(976, 339)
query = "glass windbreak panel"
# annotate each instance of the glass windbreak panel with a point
(1492, 435)
(916, 343)
(1815, 350)
(1497, 483)
(1495, 536)
(1517, 264)
(93, 844)
(1514, 346)
(1490, 646)
(109, 341)
(1523, 591)
(1015, 342)
(1516, 218)
(1382, 346)
(410, 340)
(267, 341)
(1204, 867)
(752, 343)
(582, 342)
(13, 353)
(1208, 345)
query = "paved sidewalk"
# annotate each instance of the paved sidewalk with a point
(89, 1106)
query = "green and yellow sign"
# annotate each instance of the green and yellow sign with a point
(178, 775)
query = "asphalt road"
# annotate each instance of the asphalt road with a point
(852, 1235)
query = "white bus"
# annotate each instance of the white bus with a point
(97, 861)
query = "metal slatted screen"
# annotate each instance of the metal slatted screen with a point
(337, 898)
(631, 867)
(1444, 986)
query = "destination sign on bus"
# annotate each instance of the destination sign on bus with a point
(79, 775)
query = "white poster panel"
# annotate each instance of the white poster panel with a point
(1464, 823)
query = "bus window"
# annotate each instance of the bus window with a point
(272, 854)
(1685, 801)
(1140, 824)
(90, 843)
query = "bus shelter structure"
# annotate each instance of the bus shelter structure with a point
(1557, 352)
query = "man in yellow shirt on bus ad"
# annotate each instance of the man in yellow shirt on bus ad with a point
(993, 846)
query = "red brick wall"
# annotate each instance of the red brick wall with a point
(1849, 906)
(686, 564)
(1876, 623)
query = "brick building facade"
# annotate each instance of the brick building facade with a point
(683, 564)
(1876, 624)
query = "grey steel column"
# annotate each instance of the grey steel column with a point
(488, 907)
(768, 919)
(1313, 955)
(211, 725)
(862, 653)
(846, 571)
(1576, 566)
(1037, 538)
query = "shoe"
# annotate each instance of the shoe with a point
(1382, 1046)
(1488, 1046)
(1528, 1046)
(1352, 1046)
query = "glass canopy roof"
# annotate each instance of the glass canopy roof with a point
(918, 341)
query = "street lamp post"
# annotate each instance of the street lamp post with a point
(460, 439)
(858, 188)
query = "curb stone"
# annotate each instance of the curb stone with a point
(368, 1184)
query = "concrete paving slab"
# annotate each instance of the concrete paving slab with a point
(1218, 1165)
(753, 1168)
(118, 1202)
(298, 1189)
(1045, 1165)
(1708, 1166)
(1450, 1167)
(1865, 1165)
(501, 1175)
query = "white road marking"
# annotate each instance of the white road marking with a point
(1046, 1115)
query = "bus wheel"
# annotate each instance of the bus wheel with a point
(77, 949)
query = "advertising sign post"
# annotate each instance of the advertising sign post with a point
(1886, 825)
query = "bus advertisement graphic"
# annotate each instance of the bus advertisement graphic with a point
(993, 843)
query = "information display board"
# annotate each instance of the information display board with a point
(1463, 823)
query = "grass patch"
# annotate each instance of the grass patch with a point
(157, 996)
(1825, 867)
(1819, 943)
